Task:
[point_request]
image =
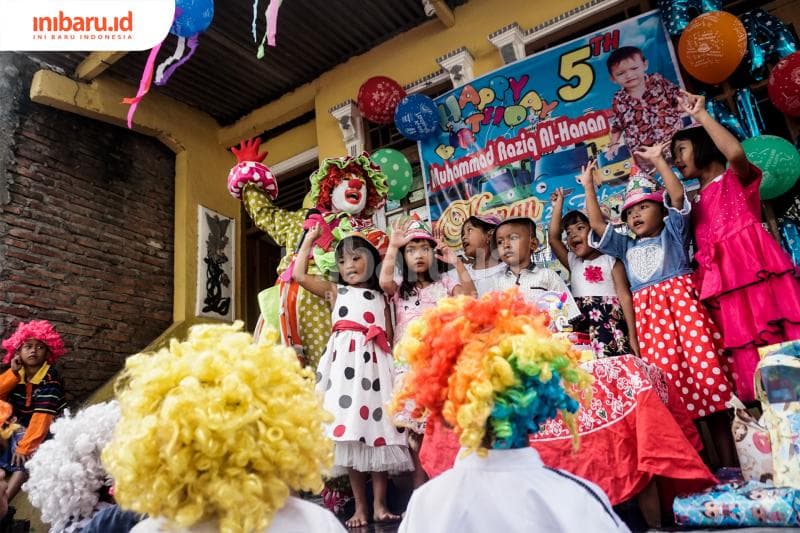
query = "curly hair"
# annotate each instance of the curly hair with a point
(217, 428)
(491, 368)
(41, 330)
(66, 476)
(333, 175)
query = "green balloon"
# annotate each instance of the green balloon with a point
(399, 174)
(778, 160)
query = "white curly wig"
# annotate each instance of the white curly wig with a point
(66, 474)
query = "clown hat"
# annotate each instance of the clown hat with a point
(492, 220)
(373, 236)
(418, 229)
(640, 189)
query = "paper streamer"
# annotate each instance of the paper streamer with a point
(272, 26)
(253, 24)
(192, 42)
(179, 49)
(144, 84)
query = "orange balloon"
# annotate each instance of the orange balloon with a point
(712, 46)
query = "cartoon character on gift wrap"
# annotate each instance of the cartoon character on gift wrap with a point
(713, 509)
(345, 192)
(765, 516)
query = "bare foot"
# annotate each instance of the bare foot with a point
(384, 515)
(359, 519)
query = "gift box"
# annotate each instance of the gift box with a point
(777, 384)
(783, 348)
(749, 504)
(752, 441)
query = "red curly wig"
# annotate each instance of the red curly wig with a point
(335, 176)
(40, 330)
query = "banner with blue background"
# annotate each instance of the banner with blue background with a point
(508, 139)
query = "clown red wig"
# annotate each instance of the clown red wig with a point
(335, 176)
(40, 330)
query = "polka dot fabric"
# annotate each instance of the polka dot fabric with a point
(356, 376)
(677, 335)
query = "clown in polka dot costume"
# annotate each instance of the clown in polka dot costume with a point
(356, 373)
(675, 331)
(346, 192)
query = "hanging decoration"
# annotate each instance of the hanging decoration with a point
(378, 98)
(720, 112)
(271, 15)
(767, 38)
(749, 112)
(784, 85)
(777, 159)
(712, 46)
(416, 117)
(676, 14)
(192, 17)
(790, 237)
(397, 170)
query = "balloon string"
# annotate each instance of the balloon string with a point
(144, 84)
(193, 43)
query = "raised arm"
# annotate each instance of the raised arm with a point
(554, 230)
(731, 148)
(626, 302)
(655, 155)
(396, 240)
(465, 284)
(596, 220)
(313, 284)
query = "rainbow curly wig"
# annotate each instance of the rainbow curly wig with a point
(217, 428)
(491, 368)
(333, 170)
(66, 476)
(40, 330)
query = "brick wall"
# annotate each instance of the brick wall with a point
(86, 235)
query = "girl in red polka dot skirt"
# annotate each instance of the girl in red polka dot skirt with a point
(675, 331)
(356, 372)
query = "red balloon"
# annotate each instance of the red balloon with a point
(784, 85)
(378, 98)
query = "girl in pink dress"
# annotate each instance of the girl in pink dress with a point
(744, 277)
(420, 287)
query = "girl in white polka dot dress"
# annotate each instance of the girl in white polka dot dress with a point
(675, 331)
(356, 372)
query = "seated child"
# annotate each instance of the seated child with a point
(219, 434)
(477, 364)
(516, 241)
(34, 390)
(599, 284)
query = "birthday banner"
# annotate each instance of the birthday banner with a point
(507, 140)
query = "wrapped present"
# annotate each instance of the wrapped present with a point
(783, 348)
(752, 443)
(746, 504)
(777, 385)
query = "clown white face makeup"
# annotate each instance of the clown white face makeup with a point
(349, 196)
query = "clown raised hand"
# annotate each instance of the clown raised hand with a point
(346, 191)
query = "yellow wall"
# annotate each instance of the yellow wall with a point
(200, 144)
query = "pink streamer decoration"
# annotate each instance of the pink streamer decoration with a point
(192, 43)
(144, 84)
(272, 21)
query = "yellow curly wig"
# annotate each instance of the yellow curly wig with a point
(217, 428)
